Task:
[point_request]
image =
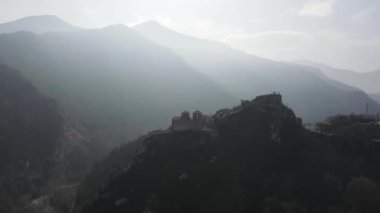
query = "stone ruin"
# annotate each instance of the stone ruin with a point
(197, 122)
(203, 122)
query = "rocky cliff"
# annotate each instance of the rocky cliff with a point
(258, 158)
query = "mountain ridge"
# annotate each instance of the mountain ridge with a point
(244, 75)
(37, 24)
(125, 78)
(366, 81)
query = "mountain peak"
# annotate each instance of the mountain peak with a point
(165, 36)
(119, 29)
(37, 24)
(118, 26)
(155, 27)
(40, 17)
(151, 23)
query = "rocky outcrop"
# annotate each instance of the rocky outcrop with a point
(189, 170)
(257, 158)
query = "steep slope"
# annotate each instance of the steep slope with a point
(29, 130)
(365, 81)
(39, 148)
(37, 24)
(375, 97)
(310, 94)
(257, 158)
(113, 78)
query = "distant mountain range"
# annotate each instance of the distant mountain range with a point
(307, 90)
(112, 77)
(37, 24)
(127, 81)
(368, 82)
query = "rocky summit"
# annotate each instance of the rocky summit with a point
(256, 157)
(238, 165)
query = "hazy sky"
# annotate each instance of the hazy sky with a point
(341, 33)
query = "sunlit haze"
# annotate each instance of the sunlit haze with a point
(340, 33)
(265, 106)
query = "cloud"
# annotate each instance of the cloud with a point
(255, 21)
(359, 19)
(317, 8)
(364, 16)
